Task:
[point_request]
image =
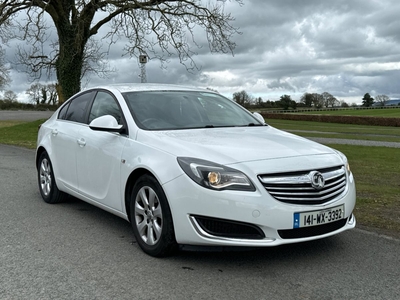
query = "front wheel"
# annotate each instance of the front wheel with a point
(151, 218)
(47, 184)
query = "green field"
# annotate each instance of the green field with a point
(376, 169)
(335, 130)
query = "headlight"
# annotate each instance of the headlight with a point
(346, 163)
(214, 176)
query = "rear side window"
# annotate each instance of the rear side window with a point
(63, 111)
(77, 108)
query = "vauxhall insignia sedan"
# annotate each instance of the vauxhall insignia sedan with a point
(187, 166)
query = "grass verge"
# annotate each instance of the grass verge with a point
(377, 174)
(19, 134)
(335, 130)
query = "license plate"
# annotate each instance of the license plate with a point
(314, 218)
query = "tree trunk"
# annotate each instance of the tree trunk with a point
(69, 69)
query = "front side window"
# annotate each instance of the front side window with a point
(161, 110)
(105, 104)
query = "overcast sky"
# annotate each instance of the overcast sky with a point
(344, 47)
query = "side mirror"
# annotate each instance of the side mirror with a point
(106, 123)
(259, 117)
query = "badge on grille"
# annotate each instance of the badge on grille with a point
(317, 180)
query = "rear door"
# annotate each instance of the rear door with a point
(65, 134)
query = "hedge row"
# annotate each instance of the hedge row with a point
(8, 105)
(375, 121)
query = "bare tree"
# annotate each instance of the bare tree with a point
(52, 94)
(157, 28)
(39, 64)
(34, 93)
(382, 99)
(313, 99)
(243, 98)
(307, 99)
(329, 100)
(317, 100)
(10, 96)
(258, 101)
(42, 93)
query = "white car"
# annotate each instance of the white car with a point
(187, 166)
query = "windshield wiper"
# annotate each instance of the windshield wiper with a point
(250, 124)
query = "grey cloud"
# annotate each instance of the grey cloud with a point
(346, 48)
(284, 86)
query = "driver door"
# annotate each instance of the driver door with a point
(99, 155)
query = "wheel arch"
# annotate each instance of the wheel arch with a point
(39, 152)
(130, 183)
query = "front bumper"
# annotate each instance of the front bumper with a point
(189, 201)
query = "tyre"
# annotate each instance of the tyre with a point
(151, 218)
(47, 184)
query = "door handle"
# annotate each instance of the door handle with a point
(54, 132)
(81, 142)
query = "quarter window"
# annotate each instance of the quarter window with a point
(63, 111)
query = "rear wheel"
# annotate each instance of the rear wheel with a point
(151, 218)
(47, 184)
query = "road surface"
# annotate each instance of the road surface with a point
(73, 250)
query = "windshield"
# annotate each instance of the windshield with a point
(161, 110)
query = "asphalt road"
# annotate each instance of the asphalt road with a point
(73, 250)
(22, 115)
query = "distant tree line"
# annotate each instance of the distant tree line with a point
(380, 100)
(41, 96)
(286, 102)
(307, 100)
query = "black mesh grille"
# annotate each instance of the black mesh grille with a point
(229, 229)
(311, 231)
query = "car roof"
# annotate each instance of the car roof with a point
(136, 87)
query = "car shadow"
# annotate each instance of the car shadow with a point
(193, 257)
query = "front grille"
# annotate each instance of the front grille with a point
(229, 229)
(297, 188)
(311, 231)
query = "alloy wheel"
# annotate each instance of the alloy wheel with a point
(148, 215)
(45, 177)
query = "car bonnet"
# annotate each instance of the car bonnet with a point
(232, 145)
